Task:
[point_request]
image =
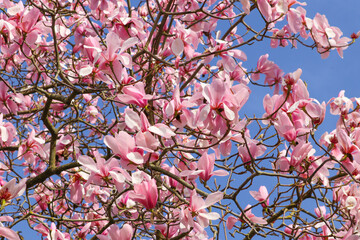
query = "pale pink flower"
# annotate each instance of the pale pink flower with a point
(197, 207)
(123, 145)
(206, 163)
(145, 193)
(102, 171)
(12, 190)
(251, 151)
(114, 233)
(56, 234)
(285, 127)
(262, 195)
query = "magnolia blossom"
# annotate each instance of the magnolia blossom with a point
(198, 207)
(145, 193)
(262, 195)
(12, 190)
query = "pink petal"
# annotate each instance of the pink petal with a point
(246, 6)
(88, 162)
(125, 59)
(230, 222)
(162, 130)
(212, 199)
(229, 113)
(265, 9)
(8, 233)
(135, 157)
(220, 173)
(132, 119)
(126, 232)
(129, 43)
(177, 46)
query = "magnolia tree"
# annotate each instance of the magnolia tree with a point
(122, 120)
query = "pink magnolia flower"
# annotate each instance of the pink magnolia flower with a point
(271, 105)
(197, 207)
(300, 152)
(251, 151)
(206, 163)
(133, 121)
(341, 104)
(346, 151)
(221, 97)
(123, 145)
(321, 212)
(261, 195)
(285, 127)
(134, 94)
(245, 6)
(102, 171)
(114, 233)
(7, 101)
(167, 231)
(93, 114)
(113, 59)
(32, 145)
(12, 190)
(54, 233)
(291, 79)
(264, 66)
(145, 193)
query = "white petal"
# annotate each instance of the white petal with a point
(161, 130)
(229, 113)
(132, 119)
(135, 157)
(85, 71)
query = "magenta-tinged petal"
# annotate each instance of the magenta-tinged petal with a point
(111, 143)
(113, 44)
(146, 141)
(260, 195)
(20, 188)
(230, 222)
